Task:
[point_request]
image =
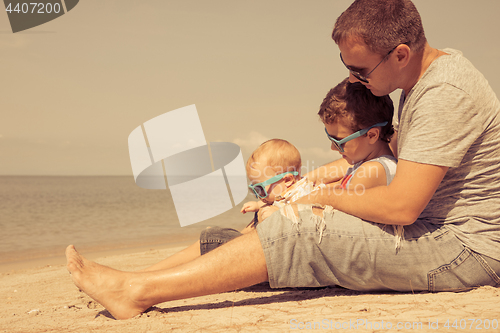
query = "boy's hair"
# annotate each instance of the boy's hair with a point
(280, 155)
(382, 25)
(356, 104)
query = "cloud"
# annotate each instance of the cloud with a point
(319, 153)
(314, 157)
(253, 140)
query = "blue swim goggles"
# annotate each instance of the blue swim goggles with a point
(338, 143)
(259, 189)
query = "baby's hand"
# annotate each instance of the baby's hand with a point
(265, 212)
(251, 206)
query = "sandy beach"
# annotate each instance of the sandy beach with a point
(44, 299)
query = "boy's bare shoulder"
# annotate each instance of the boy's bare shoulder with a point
(369, 174)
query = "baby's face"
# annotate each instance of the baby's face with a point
(260, 172)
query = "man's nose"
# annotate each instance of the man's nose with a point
(352, 78)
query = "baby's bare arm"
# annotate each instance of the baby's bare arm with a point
(251, 206)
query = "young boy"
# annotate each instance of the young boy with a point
(359, 126)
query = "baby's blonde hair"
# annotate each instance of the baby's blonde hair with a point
(280, 155)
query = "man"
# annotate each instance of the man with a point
(445, 192)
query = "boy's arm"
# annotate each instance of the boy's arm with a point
(400, 203)
(328, 173)
(368, 175)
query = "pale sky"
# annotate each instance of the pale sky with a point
(73, 89)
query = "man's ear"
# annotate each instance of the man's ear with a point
(403, 55)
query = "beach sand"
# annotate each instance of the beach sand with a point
(44, 299)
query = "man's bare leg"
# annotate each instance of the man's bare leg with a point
(238, 264)
(186, 255)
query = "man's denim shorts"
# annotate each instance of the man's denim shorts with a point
(359, 255)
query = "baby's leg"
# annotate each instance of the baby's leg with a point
(190, 253)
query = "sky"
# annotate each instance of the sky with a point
(73, 89)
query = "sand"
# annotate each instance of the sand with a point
(44, 299)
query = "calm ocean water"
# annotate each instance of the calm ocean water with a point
(41, 215)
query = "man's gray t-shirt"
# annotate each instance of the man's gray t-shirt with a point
(451, 117)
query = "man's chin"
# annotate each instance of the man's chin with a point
(375, 92)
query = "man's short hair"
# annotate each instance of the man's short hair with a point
(381, 25)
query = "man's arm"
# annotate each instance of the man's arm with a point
(399, 203)
(328, 173)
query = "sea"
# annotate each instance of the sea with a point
(41, 215)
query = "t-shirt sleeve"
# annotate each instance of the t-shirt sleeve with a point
(397, 113)
(443, 124)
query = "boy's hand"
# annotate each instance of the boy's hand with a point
(251, 206)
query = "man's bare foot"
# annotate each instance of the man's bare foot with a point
(114, 289)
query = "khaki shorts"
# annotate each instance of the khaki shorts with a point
(347, 251)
